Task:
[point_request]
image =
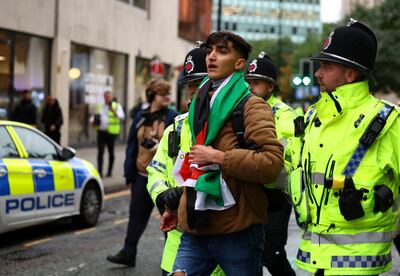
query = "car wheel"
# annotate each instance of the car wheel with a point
(90, 207)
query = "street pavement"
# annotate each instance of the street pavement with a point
(117, 182)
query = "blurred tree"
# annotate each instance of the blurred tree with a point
(310, 47)
(385, 22)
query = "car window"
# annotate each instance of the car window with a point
(36, 145)
(7, 147)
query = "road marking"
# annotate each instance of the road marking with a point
(75, 269)
(84, 231)
(120, 221)
(117, 194)
(29, 244)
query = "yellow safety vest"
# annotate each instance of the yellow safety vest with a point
(113, 120)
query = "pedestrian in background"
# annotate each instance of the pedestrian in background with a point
(52, 118)
(345, 183)
(144, 135)
(262, 78)
(108, 123)
(223, 205)
(25, 110)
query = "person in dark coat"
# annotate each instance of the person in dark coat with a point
(52, 118)
(144, 135)
(25, 110)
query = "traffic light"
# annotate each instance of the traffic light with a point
(306, 72)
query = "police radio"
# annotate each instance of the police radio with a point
(299, 126)
(374, 128)
(173, 143)
(350, 200)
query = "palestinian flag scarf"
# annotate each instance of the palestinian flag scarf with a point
(206, 189)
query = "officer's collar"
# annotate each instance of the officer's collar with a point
(272, 100)
(345, 97)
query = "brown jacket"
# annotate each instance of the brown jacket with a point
(244, 171)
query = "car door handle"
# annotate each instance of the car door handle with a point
(3, 172)
(39, 172)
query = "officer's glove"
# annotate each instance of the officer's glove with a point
(169, 199)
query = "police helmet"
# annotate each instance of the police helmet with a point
(353, 45)
(195, 64)
(262, 68)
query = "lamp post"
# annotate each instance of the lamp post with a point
(219, 14)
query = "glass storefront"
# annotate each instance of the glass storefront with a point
(143, 74)
(93, 72)
(24, 65)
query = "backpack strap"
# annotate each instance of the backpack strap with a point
(237, 119)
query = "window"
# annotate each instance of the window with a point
(234, 26)
(24, 65)
(140, 4)
(226, 24)
(36, 145)
(294, 30)
(7, 147)
(98, 71)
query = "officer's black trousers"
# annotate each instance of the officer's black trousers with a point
(140, 209)
(105, 139)
(276, 232)
(397, 243)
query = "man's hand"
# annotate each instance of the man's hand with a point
(168, 221)
(201, 154)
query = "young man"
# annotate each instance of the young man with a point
(262, 78)
(222, 208)
(144, 135)
(161, 185)
(349, 164)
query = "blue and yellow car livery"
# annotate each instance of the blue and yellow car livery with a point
(40, 181)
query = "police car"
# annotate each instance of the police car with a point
(40, 181)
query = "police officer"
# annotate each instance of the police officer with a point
(108, 128)
(345, 181)
(161, 185)
(262, 77)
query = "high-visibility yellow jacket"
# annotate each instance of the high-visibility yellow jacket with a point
(360, 246)
(161, 178)
(284, 116)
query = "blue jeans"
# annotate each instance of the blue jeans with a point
(238, 253)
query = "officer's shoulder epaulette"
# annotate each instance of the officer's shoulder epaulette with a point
(285, 107)
(181, 117)
(395, 107)
(311, 108)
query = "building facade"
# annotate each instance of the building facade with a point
(269, 19)
(76, 50)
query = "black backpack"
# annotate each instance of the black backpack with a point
(237, 119)
(276, 197)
